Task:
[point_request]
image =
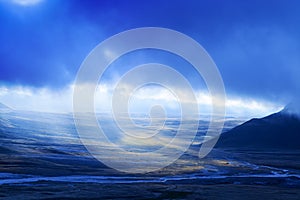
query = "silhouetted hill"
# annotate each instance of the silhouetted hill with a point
(280, 130)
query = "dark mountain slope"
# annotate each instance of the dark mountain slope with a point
(277, 131)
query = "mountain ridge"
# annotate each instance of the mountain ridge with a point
(280, 130)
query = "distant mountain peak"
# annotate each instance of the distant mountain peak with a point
(292, 108)
(4, 108)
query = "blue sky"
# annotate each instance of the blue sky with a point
(255, 44)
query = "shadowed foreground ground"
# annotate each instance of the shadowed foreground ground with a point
(169, 190)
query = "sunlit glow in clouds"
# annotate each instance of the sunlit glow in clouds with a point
(47, 100)
(26, 2)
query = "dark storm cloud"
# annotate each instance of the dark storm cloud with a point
(255, 44)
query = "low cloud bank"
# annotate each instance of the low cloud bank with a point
(60, 101)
